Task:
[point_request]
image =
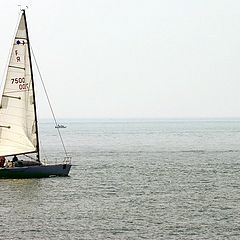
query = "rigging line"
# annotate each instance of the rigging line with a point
(45, 90)
(10, 51)
(29, 157)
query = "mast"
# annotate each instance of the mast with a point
(33, 89)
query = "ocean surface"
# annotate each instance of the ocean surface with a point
(139, 179)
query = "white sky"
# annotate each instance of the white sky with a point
(133, 58)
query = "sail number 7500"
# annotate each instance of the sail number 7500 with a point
(21, 83)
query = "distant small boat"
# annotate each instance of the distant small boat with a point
(60, 126)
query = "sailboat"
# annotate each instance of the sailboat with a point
(60, 126)
(19, 138)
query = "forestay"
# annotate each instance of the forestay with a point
(18, 130)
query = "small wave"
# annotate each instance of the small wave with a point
(140, 152)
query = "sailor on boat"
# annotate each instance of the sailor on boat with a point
(15, 159)
(2, 161)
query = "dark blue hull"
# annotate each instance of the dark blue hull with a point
(41, 171)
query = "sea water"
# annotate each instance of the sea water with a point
(139, 179)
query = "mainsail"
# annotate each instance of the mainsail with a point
(18, 123)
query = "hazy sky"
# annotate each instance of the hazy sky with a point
(133, 58)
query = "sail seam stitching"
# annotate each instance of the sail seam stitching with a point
(16, 67)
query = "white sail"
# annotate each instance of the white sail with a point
(17, 115)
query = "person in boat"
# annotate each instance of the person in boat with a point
(2, 161)
(15, 159)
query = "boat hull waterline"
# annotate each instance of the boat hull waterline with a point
(41, 171)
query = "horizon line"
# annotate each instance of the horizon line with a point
(145, 118)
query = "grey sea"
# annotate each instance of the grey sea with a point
(138, 179)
